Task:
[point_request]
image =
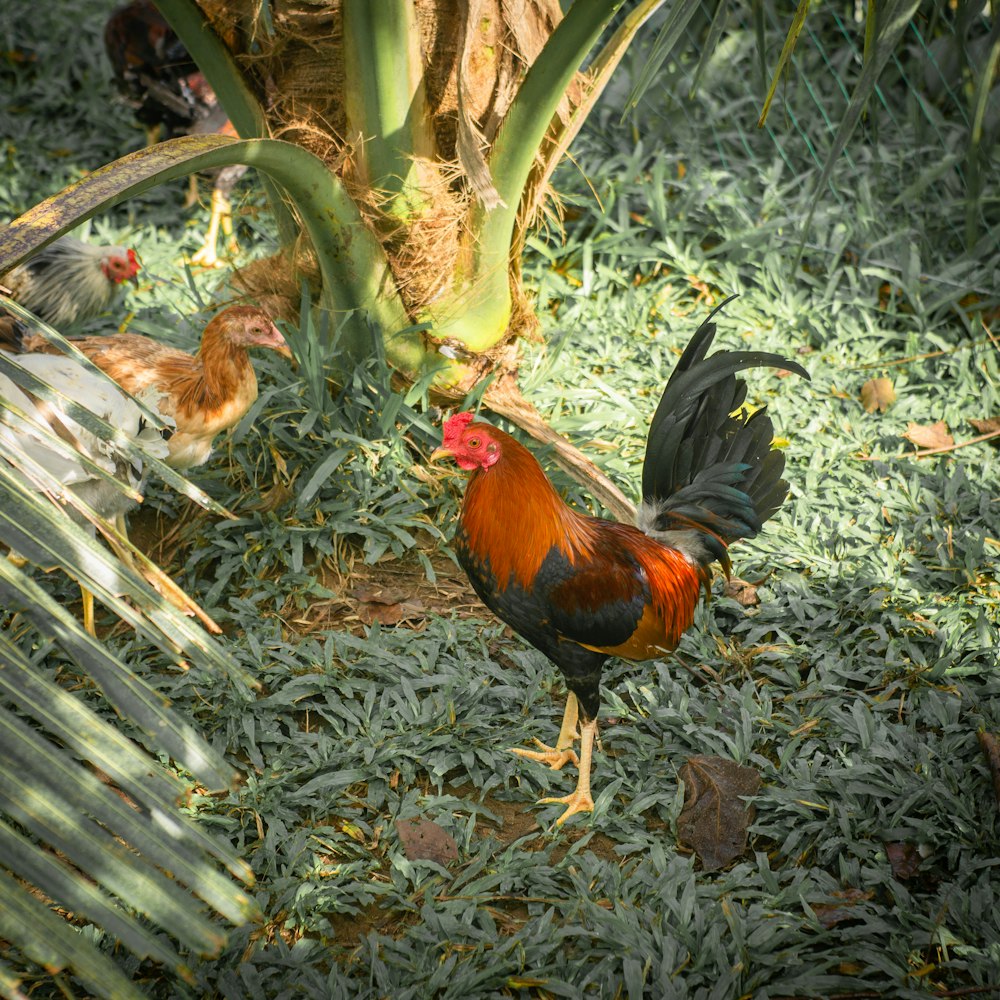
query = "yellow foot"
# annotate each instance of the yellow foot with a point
(207, 256)
(548, 755)
(577, 802)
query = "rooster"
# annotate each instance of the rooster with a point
(154, 73)
(70, 281)
(204, 393)
(582, 589)
(169, 95)
(51, 453)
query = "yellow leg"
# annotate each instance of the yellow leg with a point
(191, 198)
(222, 209)
(232, 247)
(580, 800)
(88, 610)
(85, 595)
(562, 753)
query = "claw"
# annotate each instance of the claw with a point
(562, 753)
(579, 801)
(545, 754)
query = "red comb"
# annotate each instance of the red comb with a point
(455, 426)
(133, 260)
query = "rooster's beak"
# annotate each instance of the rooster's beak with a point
(440, 453)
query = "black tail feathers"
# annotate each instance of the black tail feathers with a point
(711, 477)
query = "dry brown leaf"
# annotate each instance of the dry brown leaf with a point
(991, 425)
(742, 591)
(829, 914)
(368, 593)
(904, 858)
(391, 614)
(387, 607)
(929, 435)
(715, 819)
(424, 840)
(273, 499)
(877, 394)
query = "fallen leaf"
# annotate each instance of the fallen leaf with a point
(929, 435)
(877, 394)
(372, 594)
(991, 425)
(829, 914)
(991, 747)
(391, 614)
(424, 840)
(387, 607)
(273, 499)
(742, 591)
(904, 858)
(715, 819)
(352, 831)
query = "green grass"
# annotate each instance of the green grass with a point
(856, 687)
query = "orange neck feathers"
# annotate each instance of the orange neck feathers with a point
(224, 363)
(513, 516)
(210, 379)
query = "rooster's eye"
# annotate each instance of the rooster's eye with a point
(474, 442)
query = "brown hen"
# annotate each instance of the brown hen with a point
(205, 393)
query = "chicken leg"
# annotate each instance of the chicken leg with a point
(222, 217)
(580, 800)
(191, 198)
(88, 611)
(562, 753)
(86, 597)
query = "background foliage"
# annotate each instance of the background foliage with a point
(856, 686)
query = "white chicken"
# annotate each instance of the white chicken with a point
(70, 281)
(47, 449)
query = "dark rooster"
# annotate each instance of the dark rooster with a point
(170, 96)
(154, 73)
(70, 281)
(582, 589)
